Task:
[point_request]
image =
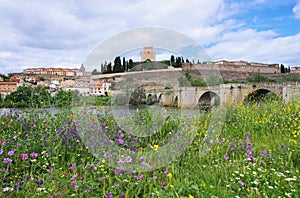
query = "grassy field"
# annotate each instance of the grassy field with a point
(256, 154)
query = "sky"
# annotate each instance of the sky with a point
(37, 33)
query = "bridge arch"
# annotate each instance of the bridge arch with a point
(261, 94)
(209, 99)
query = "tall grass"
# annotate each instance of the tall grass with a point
(256, 155)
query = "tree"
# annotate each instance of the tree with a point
(178, 62)
(117, 65)
(130, 64)
(124, 64)
(108, 69)
(282, 68)
(95, 72)
(172, 60)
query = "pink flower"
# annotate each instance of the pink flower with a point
(241, 183)
(24, 156)
(7, 160)
(72, 166)
(226, 157)
(34, 155)
(11, 153)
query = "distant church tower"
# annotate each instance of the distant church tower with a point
(148, 53)
(82, 68)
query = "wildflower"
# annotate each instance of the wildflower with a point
(1, 151)
(155, 147)
(39, 182)
(11, 153)
(116, 185)
(76, 187)
(128, 159)
(72, 183)
(141, 176)
(226, 157)
(169, 175)
(101, 179)
(191, 196)
(123, 194)
(34, 155)
(24, 156)
(27, 177)
(108, 195)
(72, 166)
(166, 172)
(7, 160)
(263, 152)
(241, 183)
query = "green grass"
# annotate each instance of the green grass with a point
(255, 155)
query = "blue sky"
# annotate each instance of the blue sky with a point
(62, 33)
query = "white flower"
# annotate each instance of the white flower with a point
(290, 179)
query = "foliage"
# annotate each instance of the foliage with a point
(260, 78)
(95, 72)
(41, 78)
(256, 155)
(28, 97)
(66, 98)
(103, 101)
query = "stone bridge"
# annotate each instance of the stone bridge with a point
(190, 97)
(163, 86)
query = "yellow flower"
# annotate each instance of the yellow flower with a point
(191, 196)
(171, 186)
(155, 147)
(169, 175)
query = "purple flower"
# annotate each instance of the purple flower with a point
(123, 194)
(166, 172)
(128, 159)
(108, 195)
(20, 183)
(18, 188)
(72, 166)
(34, 155)
(11, 153)
(101, 179)
(27, 177)
(72, 183)
(141, 176)
(7, 160)
(24, 156)
(39, 182)
(1, 151)
(241, 183)
(116, 185)
(263, 152)
(88, 190)
(76, 187)
(226, 157)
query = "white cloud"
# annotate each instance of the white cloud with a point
(296, 10)
(256, 46)
(62, 33)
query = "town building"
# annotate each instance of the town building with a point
(100, 89)
(7, 87)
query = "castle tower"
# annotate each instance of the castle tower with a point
(148, 53)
